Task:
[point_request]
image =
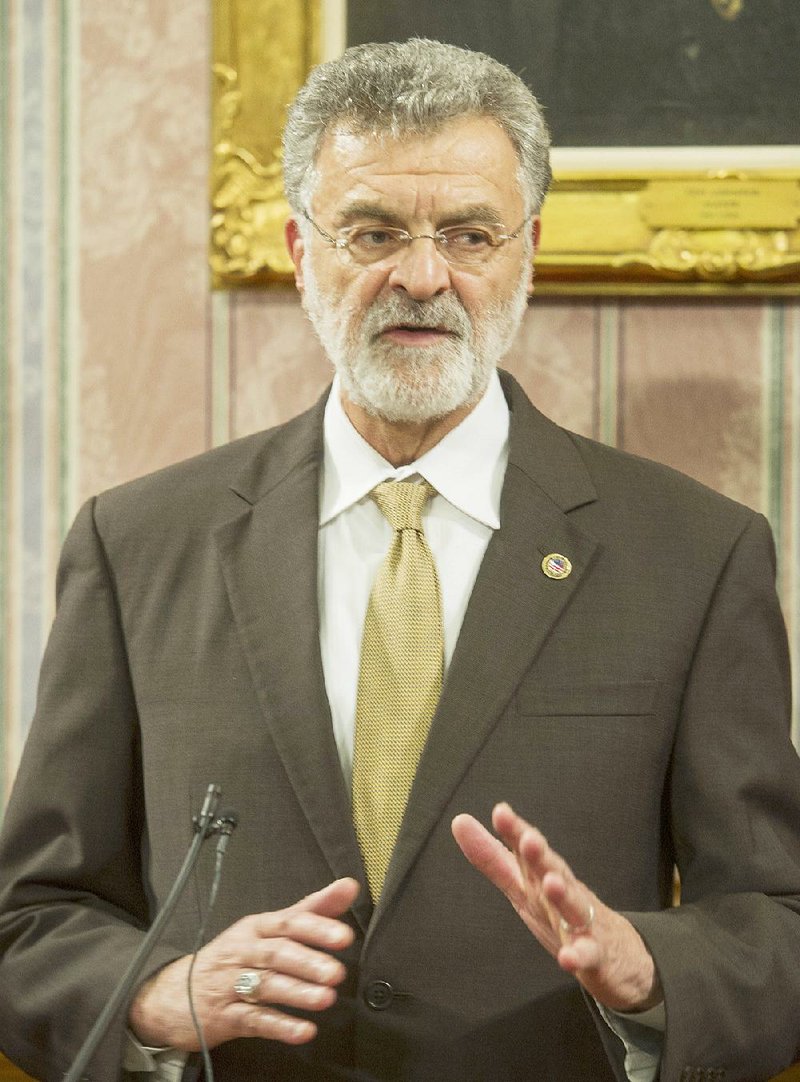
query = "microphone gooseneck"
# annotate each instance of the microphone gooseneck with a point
(224, 825)
(205, 824)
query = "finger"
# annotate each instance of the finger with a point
(547, 877)
(488, 855)
(516, 831)
(286, 991)
(302, 926)
(250, 1020)
(530, 845)
(530, 850)
(294, 959)
(573, 904)
(331, 901)
(582, 956)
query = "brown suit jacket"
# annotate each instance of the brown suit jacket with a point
(636, 711)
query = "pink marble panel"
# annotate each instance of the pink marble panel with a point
(554, 358)
(278, 367)
(143, 221)
(690, 387)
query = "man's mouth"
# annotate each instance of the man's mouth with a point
(408, 333)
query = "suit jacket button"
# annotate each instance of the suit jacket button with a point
(379, 995)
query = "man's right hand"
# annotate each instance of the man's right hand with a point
(290, 950)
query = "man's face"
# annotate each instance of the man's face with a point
(415, 337)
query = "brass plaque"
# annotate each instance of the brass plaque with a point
(686, 233)
(723, 203)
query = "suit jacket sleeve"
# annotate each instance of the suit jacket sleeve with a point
(727, 956)
(72, 903)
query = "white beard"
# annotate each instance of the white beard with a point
(413, 384)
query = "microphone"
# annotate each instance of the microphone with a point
(205, 824)
(224, 825)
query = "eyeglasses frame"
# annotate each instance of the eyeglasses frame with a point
(342, 244)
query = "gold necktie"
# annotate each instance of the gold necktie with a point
(400, 679)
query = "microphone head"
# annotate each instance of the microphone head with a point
(227, 821)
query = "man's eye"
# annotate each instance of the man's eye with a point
(373, 238)
(468, 238)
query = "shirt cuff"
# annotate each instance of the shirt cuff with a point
(642, 1033)
(164, 1064)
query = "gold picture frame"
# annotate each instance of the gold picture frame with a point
(653, 222)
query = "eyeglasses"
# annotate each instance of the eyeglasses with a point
(465, 244)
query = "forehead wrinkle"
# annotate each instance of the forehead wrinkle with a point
(421, 170)
(472, 163)
(366, 173)
(472, 188)
(424, 157)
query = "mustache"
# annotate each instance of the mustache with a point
(444, 313)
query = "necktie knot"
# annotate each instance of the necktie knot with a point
(401, 502)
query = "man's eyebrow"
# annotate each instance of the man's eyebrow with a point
(476, 213)
(356, 212)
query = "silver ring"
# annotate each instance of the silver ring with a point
(578, 929)
(246, 984)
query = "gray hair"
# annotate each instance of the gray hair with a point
(412, 88)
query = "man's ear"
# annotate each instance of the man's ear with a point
(536, 232)
(296, 246)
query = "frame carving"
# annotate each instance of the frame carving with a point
(630, 230)
(262, 52)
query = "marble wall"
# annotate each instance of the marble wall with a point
(116, 358)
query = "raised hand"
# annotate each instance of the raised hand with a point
(598, 945)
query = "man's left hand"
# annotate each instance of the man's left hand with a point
(596, 944)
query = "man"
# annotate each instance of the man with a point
(599, 658)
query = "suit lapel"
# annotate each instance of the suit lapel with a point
(511, 612)
(269, 559)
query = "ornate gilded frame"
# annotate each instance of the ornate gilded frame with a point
(664, 224)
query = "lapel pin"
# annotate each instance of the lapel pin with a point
(556, 566)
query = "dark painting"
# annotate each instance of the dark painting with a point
(627, 72)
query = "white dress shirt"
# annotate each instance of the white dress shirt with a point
(466, 468)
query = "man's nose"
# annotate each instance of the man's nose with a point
(421, 270)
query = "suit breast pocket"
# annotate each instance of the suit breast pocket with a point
(601, 700)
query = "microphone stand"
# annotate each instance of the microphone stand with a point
(204, 826)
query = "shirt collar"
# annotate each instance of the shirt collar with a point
(466, 467)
